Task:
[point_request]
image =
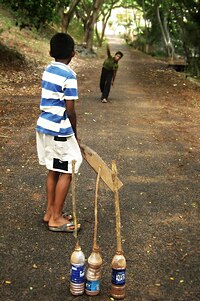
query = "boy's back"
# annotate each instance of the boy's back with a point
(59, 84)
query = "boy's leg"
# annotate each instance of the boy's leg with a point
(60, 193)
(51, 182)
(102, 80)
(58, 181)
(107, 84)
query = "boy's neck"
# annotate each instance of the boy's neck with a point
(64, 61)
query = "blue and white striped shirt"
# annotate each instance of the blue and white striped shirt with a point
(59, 84)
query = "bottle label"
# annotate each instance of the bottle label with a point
(118, 276)
(77, 273)
(92, 286)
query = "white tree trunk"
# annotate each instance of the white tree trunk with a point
(165, 33)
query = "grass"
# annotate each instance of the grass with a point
(22, 44)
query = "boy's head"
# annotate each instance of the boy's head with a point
(62, 46)
(118, 55)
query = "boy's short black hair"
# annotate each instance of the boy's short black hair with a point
(120, 53)
(61, 46)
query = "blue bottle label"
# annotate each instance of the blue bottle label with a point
(118, 276)
(92, 286)
(77, 273)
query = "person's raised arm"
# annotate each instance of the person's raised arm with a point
(108, 50)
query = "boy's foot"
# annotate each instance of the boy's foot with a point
(104, 100)
(60, 221)
(66, 215)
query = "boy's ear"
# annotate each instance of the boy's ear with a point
(73, 53)
(50, 53)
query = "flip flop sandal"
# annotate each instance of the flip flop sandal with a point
(66, 215)
(64, 228)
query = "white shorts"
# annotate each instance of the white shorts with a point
(57, 153)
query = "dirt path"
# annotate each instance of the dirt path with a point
(151, 128)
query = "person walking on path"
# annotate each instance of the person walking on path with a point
(108, 73)
(56, 134)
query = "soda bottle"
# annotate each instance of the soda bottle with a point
(118, 276)
(77, 272)
(93, 273)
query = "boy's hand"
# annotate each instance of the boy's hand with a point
(79, 141)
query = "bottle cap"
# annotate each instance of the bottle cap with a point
(95, 248)
(77, 248)
(119, 252)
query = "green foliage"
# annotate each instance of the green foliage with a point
(30, 13)
(76, 30)
(182, 18)
(179, 18)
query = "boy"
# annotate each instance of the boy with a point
(108, 73)
(56, 134)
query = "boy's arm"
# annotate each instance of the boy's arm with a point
(108, 50)
(114, 75)
(71, 113)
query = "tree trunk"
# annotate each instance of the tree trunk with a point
(161, 27)
(170, 46)
(66, 17)
(104, 27)
(104, 24)
(166, 36)
(145, 27)
(91, 22)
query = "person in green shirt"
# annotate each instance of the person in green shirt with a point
(108, 73)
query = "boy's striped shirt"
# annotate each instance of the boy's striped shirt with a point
(59, 84)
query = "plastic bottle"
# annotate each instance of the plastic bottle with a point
(118, 276)
(93, 274)
(77, 272)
